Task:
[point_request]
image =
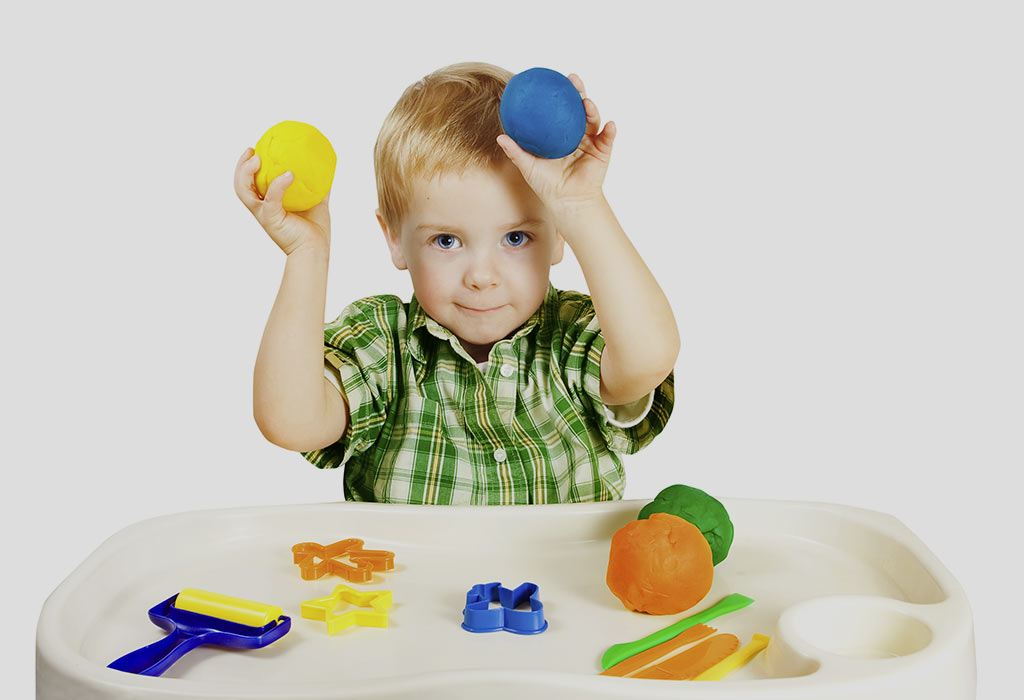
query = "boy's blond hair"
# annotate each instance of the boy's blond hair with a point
(446, 122)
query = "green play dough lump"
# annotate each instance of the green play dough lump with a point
(696, 506)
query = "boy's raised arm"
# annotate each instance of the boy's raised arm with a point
(640, 333)
(637, 323)
(294, 405)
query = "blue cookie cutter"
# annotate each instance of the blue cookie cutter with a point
(480, 617)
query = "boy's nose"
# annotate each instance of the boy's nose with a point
(482, 273)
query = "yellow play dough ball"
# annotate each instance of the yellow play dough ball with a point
(301, 148)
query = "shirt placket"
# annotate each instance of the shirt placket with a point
(492, 405)
(502, 379)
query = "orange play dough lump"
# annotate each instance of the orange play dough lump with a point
(661, 565)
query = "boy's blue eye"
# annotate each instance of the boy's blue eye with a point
(515, 238)
(446, 241)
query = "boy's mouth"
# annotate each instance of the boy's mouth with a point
(480, 311)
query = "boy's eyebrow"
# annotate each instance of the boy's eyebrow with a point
(456, 229)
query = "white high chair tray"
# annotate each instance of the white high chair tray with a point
(855, 605)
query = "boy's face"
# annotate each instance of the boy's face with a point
(479, 248)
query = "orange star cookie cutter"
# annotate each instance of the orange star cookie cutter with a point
(364, 561)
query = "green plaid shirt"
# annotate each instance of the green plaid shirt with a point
(427, 426)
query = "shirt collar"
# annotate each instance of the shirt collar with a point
(420, 323)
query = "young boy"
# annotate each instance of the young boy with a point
(490, 386)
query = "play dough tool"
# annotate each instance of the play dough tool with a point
(479, 616)
(620, 652)
(735, 660)
(316, 560)
(323, 609)
(687, 664)
(638, 661)
(194, 618)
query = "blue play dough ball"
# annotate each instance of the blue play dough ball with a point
(543, 112)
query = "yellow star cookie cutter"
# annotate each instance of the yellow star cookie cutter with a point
(323, 609)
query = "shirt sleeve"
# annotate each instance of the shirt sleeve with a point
(627, 429)
(360, 359)
(628, 415)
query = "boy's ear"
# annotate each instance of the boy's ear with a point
(394, 243)
(558, 250)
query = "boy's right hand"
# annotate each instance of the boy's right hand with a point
(290, 230)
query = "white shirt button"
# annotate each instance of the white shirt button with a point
(507, 370)
(499, 455)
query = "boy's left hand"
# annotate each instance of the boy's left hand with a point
(572, 182)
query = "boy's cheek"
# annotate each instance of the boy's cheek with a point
(427, 282)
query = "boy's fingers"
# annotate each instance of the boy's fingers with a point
(593, 116)
(320, 214)
(589, 106)
(245, 156)
(578, 83)
(277, 187)
(516, 154)
(245, 183)
(605, 139)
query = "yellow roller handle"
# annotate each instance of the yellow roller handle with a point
(738, 658)
(225, 607)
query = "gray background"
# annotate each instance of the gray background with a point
(829, 193)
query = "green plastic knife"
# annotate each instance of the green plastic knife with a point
(620, 652)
